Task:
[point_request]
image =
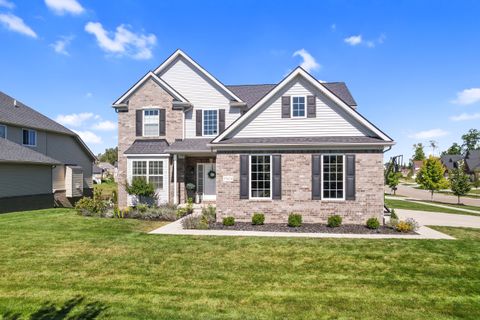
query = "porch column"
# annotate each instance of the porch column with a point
(175, 186)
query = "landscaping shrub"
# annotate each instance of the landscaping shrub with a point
(189, 205)
(408, 225)
(294, 220)
(209, 214)
(258, 218)
(142, 207)
(373, 223)
(181, 212)
(90, 207)
(228, 221)
(144, 190)
(194, 222)
(393, 215)
(334, 221)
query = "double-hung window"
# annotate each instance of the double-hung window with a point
(333, 177)
(210, 122)
(29, 137)
(261, 176)
(151, 123)
(149, 170)
(298, 107)
(3, 131)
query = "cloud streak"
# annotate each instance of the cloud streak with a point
(89, 136)
(60, 46)
(106, 125)
(467, 96)
(7, 4)
(74, 119)
(309, 63)
(429, 134)
(16, 24)
(61, 7)
(465, 117)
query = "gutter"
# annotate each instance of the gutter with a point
(237, 145)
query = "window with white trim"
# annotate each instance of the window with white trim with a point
(298, 107)
(150, 170)
(29, 137)
(151, 123)
(333, 177)
(210, 122)
(260, 176)
(3, 131)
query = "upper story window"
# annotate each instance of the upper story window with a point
(210, 122)
(333, 177)
(3, 131)
(151, 123)
(29, 137)
(298, 107)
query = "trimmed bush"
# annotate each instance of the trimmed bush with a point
(194, 222)
(393, 215)
(408, 225)
(90, 207)
(228, 221)
(334, 221)
(373, 223)
(294, 220)
(258, 218)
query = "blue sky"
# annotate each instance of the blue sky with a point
(412, 66)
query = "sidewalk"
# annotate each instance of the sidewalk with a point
(432, 204)
(425, 195)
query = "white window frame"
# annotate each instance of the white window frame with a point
(250, 177)
(143, 122)
(304, 110)
(36, 137)
(2, 125)
(203, 123)
(344, 178)
(147, 172)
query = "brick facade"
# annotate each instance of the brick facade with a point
(148, 95)
(296, 192)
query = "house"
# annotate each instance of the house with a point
(42, 163)
(97, 174)
(108, 170)
(472, 162)
(296, 146)
(450, 162)
(416, 166)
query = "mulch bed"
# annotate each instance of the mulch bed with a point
(306, 227)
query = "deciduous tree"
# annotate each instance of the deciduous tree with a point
(431, 175)
(459, 182)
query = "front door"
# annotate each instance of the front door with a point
(206, 181)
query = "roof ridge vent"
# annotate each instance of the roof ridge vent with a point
(15, 104)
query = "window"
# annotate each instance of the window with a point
(3, 131)
(260, 176)
(298, 107)
(333, 177)
(210, 122)
(29, 137)
(151, 124)
(151, 171)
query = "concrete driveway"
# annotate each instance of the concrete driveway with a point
(439, 219)
(425, 195)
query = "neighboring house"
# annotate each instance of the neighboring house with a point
(296, 146)
(471, 161)
(108, 169)
(42, 163)
(97, 174)
(416, 166)
(450, 162)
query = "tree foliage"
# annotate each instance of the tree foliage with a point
(393, 179)
(459, 182)
(110, 155)
(455, 149)
(419, 153)
(140, 187)
(471, 140)
(431, 175)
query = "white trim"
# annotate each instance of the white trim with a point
(300, 72)
(250, 177)
(143, 121)
(203, 123)
(322, 198)
(165, 175)
(175, 187)
(6, 133)
(299, 146)
(180, 53)
(36, 137)
(158, 155)
(208, 197)
(304, 107)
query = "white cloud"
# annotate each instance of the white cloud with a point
(88, 136)
(309, 63)
(60, 46)
(74, 119)
(123, 41)
(61, 7)
(353, 40)
(106, 125)
(468, 96)
(465, 117)
(88, 95)
(16, 24)
(7, 4)
(429, 134)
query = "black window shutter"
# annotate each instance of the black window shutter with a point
(350, 178)
(311, 107)
(198, 122)
(162, 124)
(286, 107)
(139, 123)
(244, 176)
(221, 120)
(277, 177)
(316, 177)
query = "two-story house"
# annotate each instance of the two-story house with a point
(42, 163)
(296, 146)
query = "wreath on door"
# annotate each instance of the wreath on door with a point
(212, 174)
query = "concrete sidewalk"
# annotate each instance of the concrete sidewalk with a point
(420, 194)
(440, 219)
(432, 204)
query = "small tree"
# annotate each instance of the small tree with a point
(140, 188)
(459, 182)
(393, 179)
(431, 175)
(419, 153)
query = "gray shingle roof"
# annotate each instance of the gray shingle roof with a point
(251, 94)
(473, 160)
(189, 145)
(449, 161)
(13, 152)
(302, 140)
(151, 146)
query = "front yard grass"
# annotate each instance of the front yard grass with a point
(54, 256)
(106, 188)
(419, 206)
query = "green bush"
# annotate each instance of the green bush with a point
(373, 223)
(228, 221)
(142, 207)
(181, 212)
(258, 218)
(90, 207)
(334, 221)
(140, 187)
(408, 225)
(393, 215)
(294, 220)
(194, 222)
(209, 214)
(189, 206)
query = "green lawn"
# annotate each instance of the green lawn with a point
(413, 205)
(53, 260)
(107, 189)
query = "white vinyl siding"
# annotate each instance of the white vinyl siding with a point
(330, 120)
(199, 91)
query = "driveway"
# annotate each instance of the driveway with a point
(439, 219)
(425, 195)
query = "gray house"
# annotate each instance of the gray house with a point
(42, 163)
